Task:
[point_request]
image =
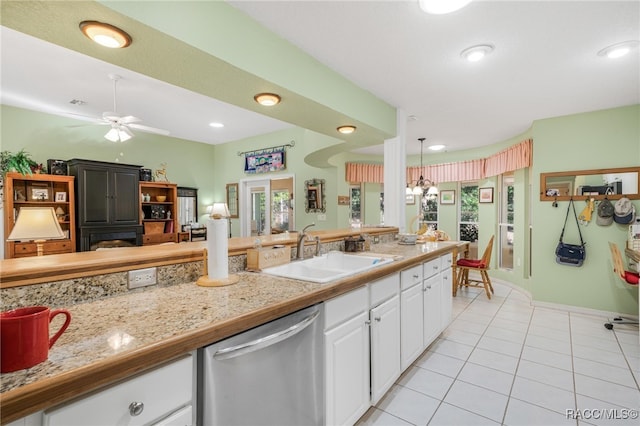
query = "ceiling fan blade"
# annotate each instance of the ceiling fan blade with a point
(129, 119)
(83, 117)
(148, 129)
(110, 116)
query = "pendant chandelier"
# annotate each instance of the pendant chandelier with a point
(422, 184)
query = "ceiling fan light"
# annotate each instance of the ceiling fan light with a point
(124, 136)
(112, 135)
(346, 130)
(267, 99)
(105, 34)
(440, 7)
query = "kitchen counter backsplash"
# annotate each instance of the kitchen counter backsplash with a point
(69, 292)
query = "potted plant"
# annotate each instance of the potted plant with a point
(20, 162)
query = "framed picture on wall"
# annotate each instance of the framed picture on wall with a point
(447, 197)
(410, 199)
(486, 195)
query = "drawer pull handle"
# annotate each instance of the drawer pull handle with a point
(416, 276)
(377, 319)
(429, 287)
(136, 408)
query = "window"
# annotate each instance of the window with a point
(505, 249)
(429, 206)
(355, 203)
(280, 210)
(468, 224)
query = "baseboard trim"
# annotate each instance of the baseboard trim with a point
(560, 306)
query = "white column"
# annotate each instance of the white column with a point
(395, 175)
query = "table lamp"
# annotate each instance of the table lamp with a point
(38, 224)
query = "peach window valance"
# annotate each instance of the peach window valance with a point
(515, 157)
(363, 172)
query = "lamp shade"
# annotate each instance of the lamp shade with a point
(219, 210)
(36, 223)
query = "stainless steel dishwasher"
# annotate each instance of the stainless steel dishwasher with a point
(269, 375)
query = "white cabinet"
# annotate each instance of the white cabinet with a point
(347, 357)
(385, 335)
(425, 306)
(447, 290)
(411, 325)
(432, 314)
(149, 398)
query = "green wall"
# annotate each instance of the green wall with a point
(593, 140)
(596, 140)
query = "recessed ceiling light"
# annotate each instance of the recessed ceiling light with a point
(346, 130)
(436, 147)
(267, 99)
(477, 52)
(440, 7)
(216, 125)
(618, 50)
(105, 34)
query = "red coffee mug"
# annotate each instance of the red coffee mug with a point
(24, 336)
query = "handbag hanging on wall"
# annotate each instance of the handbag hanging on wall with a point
(570, 254)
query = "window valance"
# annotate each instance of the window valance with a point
(362, 172)
(515, 157)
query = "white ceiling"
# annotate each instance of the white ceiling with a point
(545, 64)
(545, 61)
(42, 76)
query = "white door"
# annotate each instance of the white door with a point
(411, 325)
(385, 347)
(432, 309)
(347, 371)
(255, 215)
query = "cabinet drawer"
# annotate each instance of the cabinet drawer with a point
(343, 307)
(446, 261)
(52, 247)
(383, 289)
(430, 268)
(410, 277)
(159, 238)
(162, 391)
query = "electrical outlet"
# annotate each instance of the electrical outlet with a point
(142, 277)
(322, 217)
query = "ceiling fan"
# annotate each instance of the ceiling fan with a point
(121, 125)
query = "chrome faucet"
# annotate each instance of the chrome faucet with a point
(301, 238)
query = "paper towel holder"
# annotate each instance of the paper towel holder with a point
(205, 281)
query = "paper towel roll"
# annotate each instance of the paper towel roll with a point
(218, 249)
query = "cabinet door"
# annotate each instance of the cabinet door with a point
(125, 197)
(137, 401)
(446, 295)
(347, 371)
(385, 347)
(411, 325)
(432, 308)
(93, 196)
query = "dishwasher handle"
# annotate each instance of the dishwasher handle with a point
(263, 342)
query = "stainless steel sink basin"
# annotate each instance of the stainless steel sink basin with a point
(328, 267)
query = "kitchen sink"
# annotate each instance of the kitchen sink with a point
(328, 267)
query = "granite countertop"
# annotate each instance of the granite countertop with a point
(117, 337)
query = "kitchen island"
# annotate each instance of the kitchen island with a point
(117, 337)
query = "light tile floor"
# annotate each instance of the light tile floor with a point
(502, 361)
